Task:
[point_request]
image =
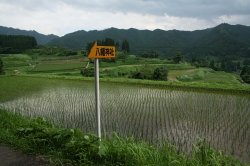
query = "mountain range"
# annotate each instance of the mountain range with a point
(40, 38)
(222, 40)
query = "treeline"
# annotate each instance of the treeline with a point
(14, 44)
(110, 42)
(1, 67)
(56, 50)
(245, 74)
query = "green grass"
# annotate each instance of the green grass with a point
(17, 63)
(174, 73)
(61, 145)
(56, 57)
(192, 77)
(16, 60)
(14, 86)
(210, 76)
(220, 77)
(57, 66)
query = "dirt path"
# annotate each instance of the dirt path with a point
(173, 79)
(9, 157)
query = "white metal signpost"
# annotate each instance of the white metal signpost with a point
(98, 52)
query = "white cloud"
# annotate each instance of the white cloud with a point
(233, 19)
(65, 16)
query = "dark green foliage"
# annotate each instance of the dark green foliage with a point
(246, 62)
(160, 73)
(144, 72)
(106, 42)
(193, 61)
(117, 45)
(238, 66)
(197, 64)
(121, 55)
(88, 72)
(107, 60)
(223, 66)
(178, 57)
(125, 46)
(89, 46)
(229, 66)
(148, 72)
(220, 41)
(200, 62)
(52, 50)
(1, 67)
(149, 54)
(40, 38)
(211, 65)
(245, 74)
(10, 44)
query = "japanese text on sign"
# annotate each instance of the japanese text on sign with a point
(104, 52)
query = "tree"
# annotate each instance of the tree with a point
(125, 46)
(193, 61)
(197, 64)
(12, 44)
(246, 62)
(1, 67)
(238, 66)
(229, 65)
(117, 45)
(211, 65)
(177, 57)
(245, 74)
(144, 72)
(89, 46)
(223, 66)
(149, 54)
(160, 73)
(88, 72)
(106, 42)
(121, 55)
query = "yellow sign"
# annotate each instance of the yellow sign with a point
(102, 52)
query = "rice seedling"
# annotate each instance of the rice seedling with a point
(151, 114)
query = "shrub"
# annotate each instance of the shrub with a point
(197, 76)
(88, 72)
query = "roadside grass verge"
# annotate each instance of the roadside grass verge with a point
(62, 145)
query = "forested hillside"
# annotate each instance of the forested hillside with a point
(222, 40)
(12, 44)
(40, 38)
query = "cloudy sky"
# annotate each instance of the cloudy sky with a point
(60, 17)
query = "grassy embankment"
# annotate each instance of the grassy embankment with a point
(61, 145)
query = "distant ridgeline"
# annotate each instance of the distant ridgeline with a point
(12, 44)
(221, 41)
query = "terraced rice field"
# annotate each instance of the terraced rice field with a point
(152, 114)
